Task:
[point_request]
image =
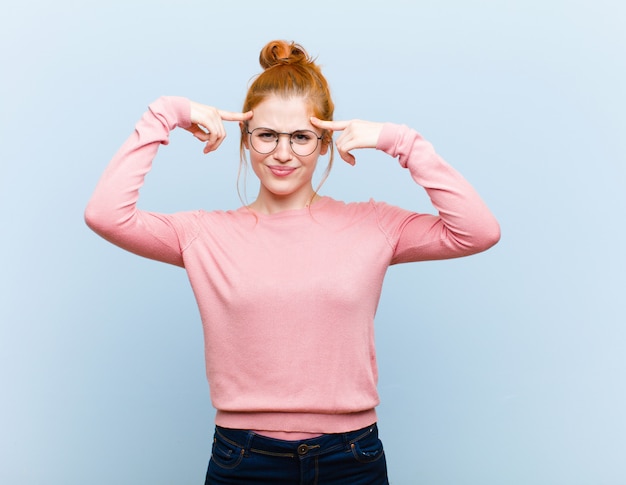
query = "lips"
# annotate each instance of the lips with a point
(280, 171)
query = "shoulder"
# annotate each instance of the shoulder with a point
(382, 214)
(360, 207)
(339, 208)
(226, 216)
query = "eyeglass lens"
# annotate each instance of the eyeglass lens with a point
(303, 142)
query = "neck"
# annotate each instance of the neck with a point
(268, 203)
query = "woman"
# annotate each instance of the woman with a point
(288, 285)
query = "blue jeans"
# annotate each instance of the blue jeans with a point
(244, 457)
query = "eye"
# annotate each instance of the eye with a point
(302, 137)
(265, 135)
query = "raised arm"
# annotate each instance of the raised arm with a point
(112, 210)
(464, 225)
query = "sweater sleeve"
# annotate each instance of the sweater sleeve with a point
(464, 224)
(112, 210)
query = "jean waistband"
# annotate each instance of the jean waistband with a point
(252, 442)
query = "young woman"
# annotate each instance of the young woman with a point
(288, 285)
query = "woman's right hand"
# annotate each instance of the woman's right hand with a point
(207, 124)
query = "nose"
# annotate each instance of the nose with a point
(282, 153)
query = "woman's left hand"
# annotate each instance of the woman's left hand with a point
(356, 134)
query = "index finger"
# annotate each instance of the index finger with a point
(233, 116)
(329, 125)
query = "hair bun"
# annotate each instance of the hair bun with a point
(282, 52)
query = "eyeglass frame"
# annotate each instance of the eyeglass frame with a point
(278, 134)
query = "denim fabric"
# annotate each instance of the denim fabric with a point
(244, 457)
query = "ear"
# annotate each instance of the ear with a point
(324, 149)
(244, 135)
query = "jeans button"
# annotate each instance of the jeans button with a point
(302, 450)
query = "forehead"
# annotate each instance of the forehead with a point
(282, 114)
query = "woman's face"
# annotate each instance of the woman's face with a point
(284, 174)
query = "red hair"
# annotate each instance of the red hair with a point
(289, 71)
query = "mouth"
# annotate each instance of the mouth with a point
(281, 171)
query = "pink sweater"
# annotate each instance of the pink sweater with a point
(288, 300)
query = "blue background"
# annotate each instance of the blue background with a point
(505, 367)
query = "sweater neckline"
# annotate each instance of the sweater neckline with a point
(322, 201)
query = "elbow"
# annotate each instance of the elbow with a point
(489, 236)
(483, 236)
(89, 216)
(97, 220)
(92, 219)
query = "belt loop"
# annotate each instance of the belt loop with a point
(346, 440)
(248, 443)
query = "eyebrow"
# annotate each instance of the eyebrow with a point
(284, 132)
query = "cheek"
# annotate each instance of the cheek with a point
(255, 160)
(311, 160)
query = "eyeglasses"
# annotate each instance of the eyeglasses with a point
(302, 142)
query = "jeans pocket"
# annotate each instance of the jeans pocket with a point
(224, 454)
(367, 449)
